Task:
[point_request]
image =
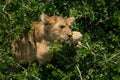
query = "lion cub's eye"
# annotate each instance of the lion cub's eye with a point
(62, 26)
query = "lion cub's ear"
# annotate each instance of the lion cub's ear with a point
(43, 17)
(70, 20)
(46, 19)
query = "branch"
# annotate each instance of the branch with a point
(79, 72)
(3, 9)
(76, 67)
(28, 73)
(113, 56)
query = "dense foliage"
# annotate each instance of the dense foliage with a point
(97, 59)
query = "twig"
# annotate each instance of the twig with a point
(64, 58)
(113, 56)
(76, 67)
(79, 72)
(28, 73)
(3, 9)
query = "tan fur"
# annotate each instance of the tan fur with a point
(35, 46)
(76, 37)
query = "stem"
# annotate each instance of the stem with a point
(79, 72)
(3, 9)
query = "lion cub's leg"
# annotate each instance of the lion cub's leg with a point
(43, 54)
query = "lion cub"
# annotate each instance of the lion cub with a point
(36, 46)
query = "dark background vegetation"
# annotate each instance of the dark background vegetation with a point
(97, 59)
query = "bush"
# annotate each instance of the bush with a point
(97, 59)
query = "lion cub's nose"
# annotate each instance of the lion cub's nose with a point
(70, 35)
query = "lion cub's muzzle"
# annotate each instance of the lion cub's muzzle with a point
(69, 36)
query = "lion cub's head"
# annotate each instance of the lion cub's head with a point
(57, 27)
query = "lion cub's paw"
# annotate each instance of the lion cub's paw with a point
(76, 37)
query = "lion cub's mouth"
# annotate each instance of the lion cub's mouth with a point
(67, 40)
